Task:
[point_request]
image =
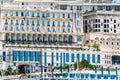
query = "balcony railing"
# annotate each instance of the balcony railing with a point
(39, 42)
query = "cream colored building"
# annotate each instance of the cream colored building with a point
(35, 33)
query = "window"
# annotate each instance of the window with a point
(79, 38)
(108, 8)
(93, 58)
(48, 30)
(53, 30)
(100, 7)
(6, 27)
(22, 22)
(17, 22)
(33, 29)
(38, 23)
(53, 23)
(79, 8)
(67, 57)
(63, 15)
(37, 56)
(48, 23)
(43, 15)
(114, 26)
(48, 14)
(63, 7)
(4, 56)
(71, 7)
(11, 22)
(32, 14)
(112, 43)
(68, 15)
(15, 55)
(114, 21)
(68, 24)
(58, 23)
(117, 43)
(78, 15)
(68, 30)
(11, 28)
(22, 29)
(53, 15)
(57, 56)
(38, 15)
(78, 23)
(63, 24)
(45, 59)
(72, 57)
(16, 13)
(63, 30)
(78, 57)
(83, 56)
(88, 58)
(117, 8)
(105, 21)
(20, 55)
(38, 29)
(43, 23)
(17, 29)
(32, 23)
(22, 14)
(6, 21)
(27, 14)
(52, 58)
(32, 53)
(106, 43)
(98, 58)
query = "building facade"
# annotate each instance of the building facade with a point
(35, 33)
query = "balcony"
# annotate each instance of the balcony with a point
(38, 42)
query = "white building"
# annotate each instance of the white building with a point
(33, 33)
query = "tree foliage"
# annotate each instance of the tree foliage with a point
(96, 46)
(9, 71)
(83, 64)
(65, 66)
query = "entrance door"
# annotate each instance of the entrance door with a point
(23, 69)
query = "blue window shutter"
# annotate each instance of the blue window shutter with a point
(15, 55)
(67, 57)
(83, 56)
(45, 59)
(88, 58)
(93, 58)
(78, 57)
(57, 56)
(52, 58)
(98, 58)
(26, 56)
(20, 55)
(72, 57)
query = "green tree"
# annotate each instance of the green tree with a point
(78, 64)
(9, 70)
(90, 66)
(96, 46)
(85, 63)
(65, 66)
(57, 67)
